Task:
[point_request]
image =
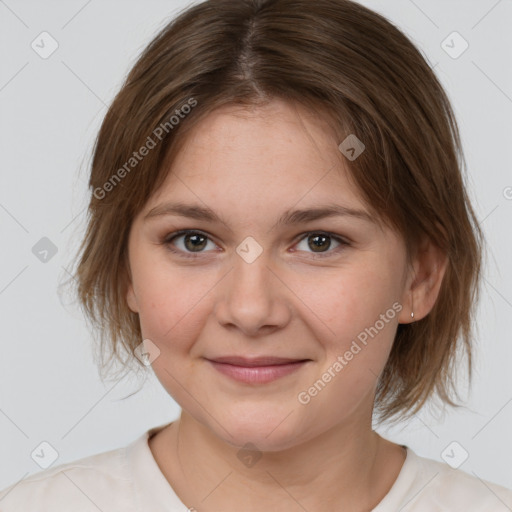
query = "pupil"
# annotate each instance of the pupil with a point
(195, 237)
(317, 244)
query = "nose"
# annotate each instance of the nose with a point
(253, 298)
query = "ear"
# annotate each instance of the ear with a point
(424, 281)
(131, 299)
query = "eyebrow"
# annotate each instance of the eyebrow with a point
(289, 217)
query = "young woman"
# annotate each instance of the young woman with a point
(279, 227)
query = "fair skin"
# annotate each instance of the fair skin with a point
(292, 301)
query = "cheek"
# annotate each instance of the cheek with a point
(348, 302)
(358, 341)
(355, 355)
(171, 303)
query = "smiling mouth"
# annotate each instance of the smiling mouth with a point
(259, 370)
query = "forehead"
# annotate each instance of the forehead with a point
(277, 153)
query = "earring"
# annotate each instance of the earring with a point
(412, 312)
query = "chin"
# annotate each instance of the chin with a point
(263, 428)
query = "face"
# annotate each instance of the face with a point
(323, 294)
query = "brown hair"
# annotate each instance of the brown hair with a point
(347, 64)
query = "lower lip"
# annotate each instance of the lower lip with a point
(257, 374)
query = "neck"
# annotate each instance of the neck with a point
(349, 467)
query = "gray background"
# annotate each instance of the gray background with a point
(51, 110)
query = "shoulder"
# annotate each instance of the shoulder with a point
(97, 482)
(440, 487)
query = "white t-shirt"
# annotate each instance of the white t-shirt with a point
(128, 479)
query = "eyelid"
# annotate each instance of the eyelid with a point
(168, 239)
(342, 241)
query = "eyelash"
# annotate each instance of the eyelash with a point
(167, 241)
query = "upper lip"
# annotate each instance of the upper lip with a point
(255, 361)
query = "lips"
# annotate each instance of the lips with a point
(255, 361)
(257, 370)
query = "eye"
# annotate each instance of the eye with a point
(320, 243)
(192, 242)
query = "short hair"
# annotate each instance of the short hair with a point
(358, 71)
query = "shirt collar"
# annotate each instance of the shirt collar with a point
(152, 490)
